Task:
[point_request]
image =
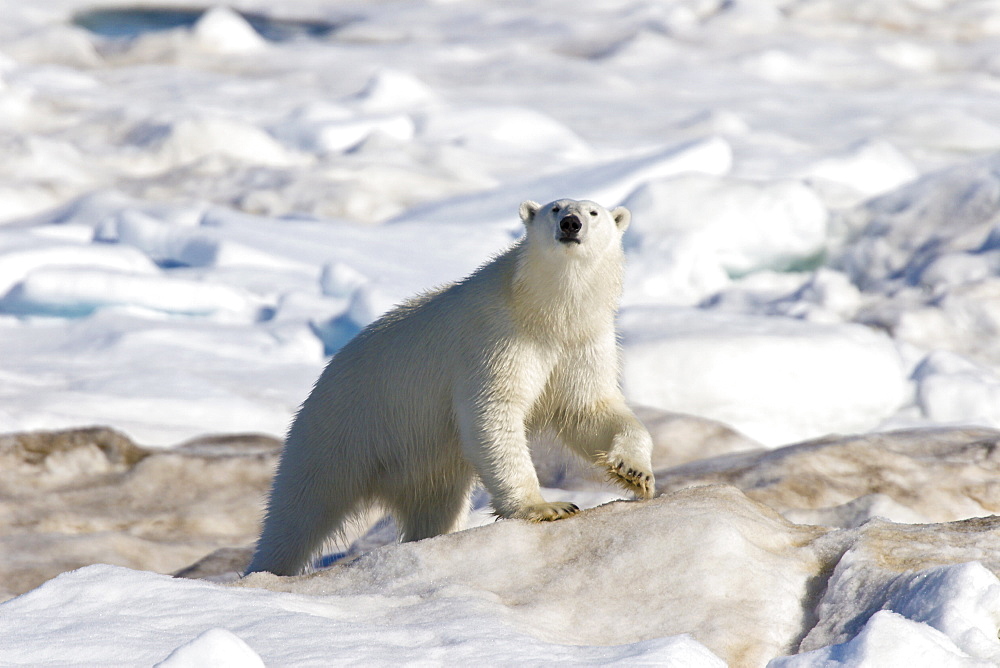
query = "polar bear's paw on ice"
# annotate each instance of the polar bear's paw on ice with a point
(547, 512)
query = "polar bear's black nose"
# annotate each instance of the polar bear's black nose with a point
(570, 225)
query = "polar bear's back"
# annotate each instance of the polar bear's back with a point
(394, 383)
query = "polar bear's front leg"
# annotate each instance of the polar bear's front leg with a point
(611, 435)
(547, 511)
(626, 467)
(494, 440)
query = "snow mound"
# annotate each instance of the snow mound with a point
(87, 496)
(76, 292)
(286, 629)
(951, 389)
(215, 648)
(192, 139)
(896, 238)
(872, 168)
(927, 254)
(754, 551)
(776, 380)
(171, 245)
(651, 582)
(949, 129)
(701, 575)
(607, 183)
(888, 634)
(221, 30)
(960, 601)
(38, 254)
(692, 233)
(390, 90)
(907, 476)
(307, 132)
(508, 131)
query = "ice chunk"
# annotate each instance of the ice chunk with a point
(951, 605)
(79, 291)
(910, 55)
(170, 244)
(871, 167)
(780, 66)
(57, 43)
(223, 30)
(192, 139)
(952, 389)
(691, 233)
(962, 601)
(948, 128)
(366, 303)
(776, 380)
(341, 280)
(744, 225)
(896, 236)
(36, 254)
(887, 639)
(827, 296)
(394, 90)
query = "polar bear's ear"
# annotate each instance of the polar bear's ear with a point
(622, 217)
(528, 211)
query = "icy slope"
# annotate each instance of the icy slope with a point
(622, 582)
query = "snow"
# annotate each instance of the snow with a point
(694, 233)
(199, 204)
(214, 647)
(776, 380)
(222, 30)
(463, 626)
(601, 594)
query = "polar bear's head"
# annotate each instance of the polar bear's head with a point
(575, 226)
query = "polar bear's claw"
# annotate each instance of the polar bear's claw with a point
(548, 512)
(631, 477)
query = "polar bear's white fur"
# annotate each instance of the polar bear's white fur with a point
(446, 387)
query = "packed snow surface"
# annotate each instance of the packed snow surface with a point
(200, 204)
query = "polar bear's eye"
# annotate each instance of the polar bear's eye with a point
(593, 213)
(555, 209)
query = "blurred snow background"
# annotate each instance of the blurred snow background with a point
(198, 206)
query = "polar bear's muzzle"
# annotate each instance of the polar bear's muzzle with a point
(570, 228)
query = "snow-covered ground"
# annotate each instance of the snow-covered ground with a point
(193, 219)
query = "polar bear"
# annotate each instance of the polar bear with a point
(446, 387)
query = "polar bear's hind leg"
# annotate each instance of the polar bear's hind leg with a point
(434, 509)
(291, 537)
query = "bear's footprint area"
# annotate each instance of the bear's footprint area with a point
(548, 512)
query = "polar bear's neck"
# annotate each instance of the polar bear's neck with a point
(555, 293)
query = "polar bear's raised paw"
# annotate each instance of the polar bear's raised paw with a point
(632, 477)
(547, 512)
